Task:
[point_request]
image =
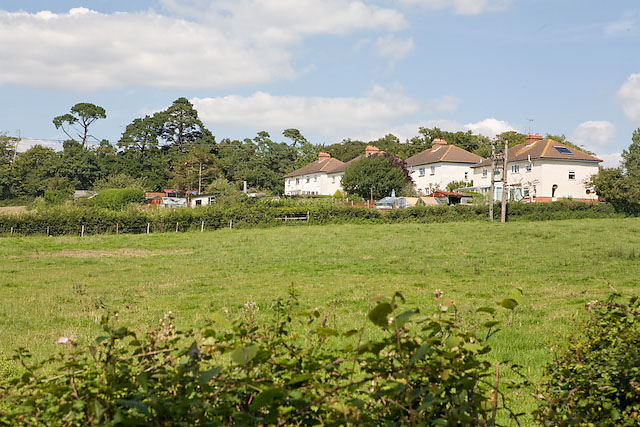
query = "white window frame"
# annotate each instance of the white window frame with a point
(421, 171)
(433, 170)
(572, 175)
(485, 172)
(515, 168)
(529, 167)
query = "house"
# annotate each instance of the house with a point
(439, 165)
(174, 202)
(540, 171)
(84, 193)
(322, 177)
(451, 198)
(201, 200)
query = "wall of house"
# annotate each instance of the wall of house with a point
(544, 174)
(438, 175)
(320, 183)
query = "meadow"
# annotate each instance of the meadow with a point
(60, 286)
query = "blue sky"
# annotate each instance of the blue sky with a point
(334, 69)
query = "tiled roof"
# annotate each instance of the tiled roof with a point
(443, 153)
(323, 165)
(544, 150)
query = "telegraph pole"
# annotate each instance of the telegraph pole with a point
(503, 212)
(492, 186)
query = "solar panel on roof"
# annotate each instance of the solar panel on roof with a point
(563, 150)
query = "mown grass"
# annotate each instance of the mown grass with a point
(52, 287)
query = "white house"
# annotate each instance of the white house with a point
(541, 171)
(322, 177)
(441, 164)
(201, 200)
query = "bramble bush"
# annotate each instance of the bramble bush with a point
(595, 379)
(296, 369)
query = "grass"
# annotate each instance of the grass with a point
(52, 287)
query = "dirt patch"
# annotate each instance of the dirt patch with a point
(98, 253)
(12, 210)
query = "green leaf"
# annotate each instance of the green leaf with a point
(300, 378)
(242, 355)
(403, 318)
(379, 314)
(350, 333)
(486, 310)
(491, 323)
(452, 341)
(267, 396)
(508, 303)
(219, 319)
(206, 376)
(325, 332)
(420, 353)
(133, 404)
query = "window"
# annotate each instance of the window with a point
(496, 171)
(421, 171)
(433, 170)
(526, 191)
(484, 172)
(198, 202)
(297, 181)
(333, 179)
(529, 167)
(515, 168)
(466, 176)
(572, 175)
(562, 150)
(315, 178)
(308, 179)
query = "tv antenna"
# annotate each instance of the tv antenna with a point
(530, 121)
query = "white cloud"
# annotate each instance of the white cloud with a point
(26, 143)
(626, 25)
(629, 93)
(610, 160)
(594, 135)
(376, 113)
(231, 44)
(462, 7)
(490, 127)
(393, 48)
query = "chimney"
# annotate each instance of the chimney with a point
(323, 156)
(438, 142)
(371, 150)
(532, 137)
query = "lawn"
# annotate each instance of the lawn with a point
(52, 287)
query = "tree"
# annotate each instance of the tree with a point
(34, 167)
(193, 170)
(631, 156)
(181, 125)
(376, 176)
(295, 136)
(142, 134)
(81, 117)
(621, 186)
(78, 165)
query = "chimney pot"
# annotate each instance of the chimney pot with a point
(371, 150)
(323, 156)
(532, 137)
(439, 141)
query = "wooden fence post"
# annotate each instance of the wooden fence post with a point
(230, 223)
(148, 226)
(202, 227)
(307, 216)
(12, 231)
(117, 228)
(82, 231)
(177, 226)
(47, 230)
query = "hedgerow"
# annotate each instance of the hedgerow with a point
(69, 220)
(297, 369)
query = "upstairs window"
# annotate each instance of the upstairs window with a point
(496, 171)
(529, 167)
(466, 176)
(297, 181)
(572, 175)
(315, 178)
(515, 168)
(433, 169)
(308, 179)
(484, 173)
(421, 171)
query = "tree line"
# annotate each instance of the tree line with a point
(173, 148)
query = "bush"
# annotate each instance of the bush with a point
(118, 198)
(294, 370)
(56, 197)
(595, 379)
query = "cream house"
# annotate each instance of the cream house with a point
(441, 164)
(541, 170)
(322, 177)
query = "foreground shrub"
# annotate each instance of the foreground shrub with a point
(595, 380)
(295, 370)
(118, 198)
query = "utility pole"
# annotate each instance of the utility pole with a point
(492, 186)
(503, 212)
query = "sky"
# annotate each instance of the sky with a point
(334, 69)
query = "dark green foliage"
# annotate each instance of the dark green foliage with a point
(56, 197)
(376, 176)
(595, 378)
(82, 115)
(118, 198)
(294, 370)
(631, 156)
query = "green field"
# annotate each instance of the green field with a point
(52, 287)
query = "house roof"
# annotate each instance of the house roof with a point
(321, 165)
(343, 167)
(443, 152)
(540, 149)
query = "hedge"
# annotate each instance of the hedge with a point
(63, 221)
